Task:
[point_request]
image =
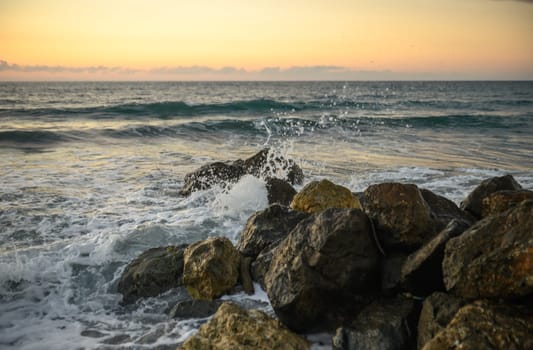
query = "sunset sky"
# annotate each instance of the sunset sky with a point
(265, 39)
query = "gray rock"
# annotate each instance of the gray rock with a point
(195, 308)
(279, 191)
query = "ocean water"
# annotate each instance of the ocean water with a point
(90, 174)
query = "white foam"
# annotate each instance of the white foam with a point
(249, 194)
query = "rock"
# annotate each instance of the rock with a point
(264, 164)
(211, 268)
(152, 273)
(318, 196)
(494, 258)
(261, 265)
(318, 269)
(473, 203)
(444, 210)
(402, 216)
(266, 227)
(391, 270)
(421, 274)
(498, 202)
(386, 325)
(244, 275)
(485, 326)
(235, 328)
(279, 191)
(195, 308)
(437, 311)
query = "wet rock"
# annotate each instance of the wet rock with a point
(235, 328)
(279, 191)
(152, 273)
(474, 202)
(244, 275)
(386, 325)
(402, 216)
(421, 274)
(437, 311)
(494, 258)
(195, 308)
(211, 268)
(444, 210)
(261, 264)
(391, 272)
(485, 326)
(318, 269)
(264, 164)
(500, 201)
(318, 196)
(266, 227)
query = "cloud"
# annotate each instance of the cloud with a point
(6, 66)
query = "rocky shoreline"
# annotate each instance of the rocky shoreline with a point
(394, 267)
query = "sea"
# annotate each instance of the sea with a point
(90, 174)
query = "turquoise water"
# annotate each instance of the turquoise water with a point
(90, 174)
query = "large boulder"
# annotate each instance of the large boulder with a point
(485, 326)
(494, 258)
(152, 273)
(264, 164)
(498, 202)
(474, 202)
(279, 191)
(322, 265)
(421, 273)
(437, 311)
(403, 218)
(318, 196)
(211, 268)
(385, 324)
(235, 328)
(444, 210)
(265, 227)
(261, 264)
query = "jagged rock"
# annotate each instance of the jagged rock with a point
(318, 196)
(245, 276)
(152, 273)
(386, 325)
(437, 311)
(498, 202)
(264, 164)
(279, 191)
(444, 210)
(266, 227)
(261, 264)
(324, 262)
(195, 308)
(235, 328)
(485, 326)
(211, 268)
(421, 273)
(391, 272)
(402, 216)
(474, 201)
(494, 258)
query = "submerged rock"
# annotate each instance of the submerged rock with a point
(319, 268)
(264, 164)
(267, 226)
(474, 202)
(318, 196)
(437, 311)
(152, 273)
(485, 326)
(386, 325)
(235, 328)
(498, 202)
(494, 258)
(211, 268)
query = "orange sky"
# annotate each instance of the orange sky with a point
(311, 39)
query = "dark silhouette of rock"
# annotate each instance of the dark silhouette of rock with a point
(152, 273)
(474, 202)
(261, 264)
(498, 202)
(485, 326)
(279, 191)
(494, 258)
(391, 272)
(437, 311)
(323, 263)
(387, 324)
(235, 328)
(209, 175)
(195, 308)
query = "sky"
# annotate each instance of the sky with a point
(266, 40)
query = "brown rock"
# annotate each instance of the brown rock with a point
(235, 328)
(485, 326)
(318, 196)
(498, 202)
(494, 258)
(211, 268)
(444, 210)
(473, 203)
(279, 191)
(209, 175)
